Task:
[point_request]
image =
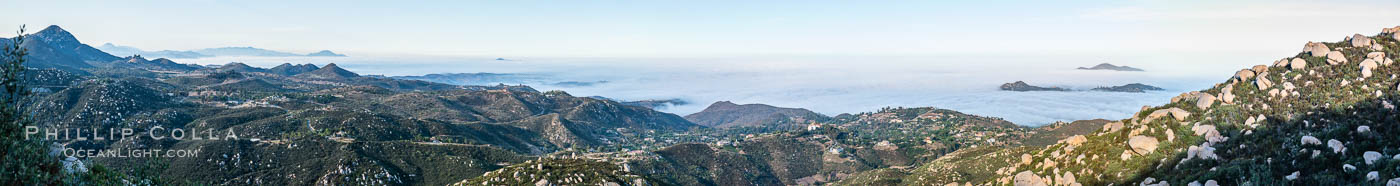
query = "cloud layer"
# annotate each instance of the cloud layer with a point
(834, 84)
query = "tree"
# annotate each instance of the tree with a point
(26, 161)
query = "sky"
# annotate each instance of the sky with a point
(711, 28)
(829, 56)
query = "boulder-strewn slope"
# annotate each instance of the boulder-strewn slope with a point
(559, 172)
(1324, 116)
(888, 141)
(1048, 134)
(700, 164)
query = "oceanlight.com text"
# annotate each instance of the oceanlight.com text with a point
(130, 153)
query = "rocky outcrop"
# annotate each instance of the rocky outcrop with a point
(1177, 113)
(1227, 94)
(1244, 75)
(1113, 126)
(1337, 146)
(1262, 82)
(1142, 145)
(1394, 32)
(1075, 140)
(1260, 69)
(1363, 41)
(1373, 60)
(1027, 178)
(1371, 156)
(1208, 132)
(1026, 159)
(1368, 66)
(1310, 140)
(1204, 151)
(1336, 58)
(1205, 101)
(1316, 49)
(1360, 41)
(1379, 58)
(1298, 64)
(1153, 182)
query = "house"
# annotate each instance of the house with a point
(813, 126)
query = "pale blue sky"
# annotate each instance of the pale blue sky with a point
(710, 28)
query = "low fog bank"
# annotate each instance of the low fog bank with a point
(841, 84)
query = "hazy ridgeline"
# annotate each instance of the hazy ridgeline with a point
(830, 84)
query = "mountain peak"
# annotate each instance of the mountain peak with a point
(1107, 66)
(330, 71)
(57, 48)
(723, 103)
(289, 69)
(326, 53)
(53, 28)
(54, 33)
(724, 114)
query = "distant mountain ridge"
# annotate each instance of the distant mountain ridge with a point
(1106, 66)
(1021, 86)
(325, 53)
(65, 42)
(209, 52)
(243, 51)
(477, 78)
(133, 51)
(56, 48)
(370, 129)
(648, 103)
(156, 64)
(330, 71)
(486, 78)
(725, 114)
(1131, 87)
(288, 69)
